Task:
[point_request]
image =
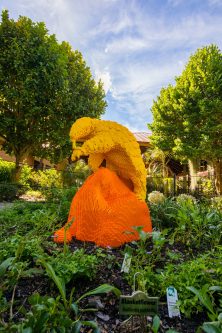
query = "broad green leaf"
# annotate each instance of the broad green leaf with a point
(27, 330)
(156, 324)
(77, 327)
(204, 298)
(75, 308)
(92, 324)
(210, 328)
(58, 281)
(5, 264)
(103, 289)
(215, 288)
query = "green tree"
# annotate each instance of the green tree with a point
(44, 87)
(188, 116)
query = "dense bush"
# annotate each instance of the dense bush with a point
(216, 202)
(45, 179)
(8, 192)
(6, 171)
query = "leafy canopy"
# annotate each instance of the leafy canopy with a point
(44, 87)
(187, 116)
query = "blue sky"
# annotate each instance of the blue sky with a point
(135, 46)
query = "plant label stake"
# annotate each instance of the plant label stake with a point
(138, 304)
(126, 263)
(172, 299)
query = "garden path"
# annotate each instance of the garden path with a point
(5, 204)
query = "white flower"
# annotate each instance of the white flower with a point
(216, 202)
(156, 197)
(185, 198)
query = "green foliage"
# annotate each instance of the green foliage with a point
(29, 248)
(48, 314)
(178, 109)
(163, 213)
(6, 171)
(62, 198)
(216, 203)
(72, 306)
(25, 175)
(194, 99)
(38, 104)
(205, 296)
(186, 254)
(45, 179)
(207, 187)
(190, 223)
(8, 192)
(204, 270)
(70, 266)
(31, 219)
(75, 174)
(196, 224)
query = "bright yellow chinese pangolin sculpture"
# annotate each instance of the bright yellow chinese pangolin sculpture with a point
(114, 143)
(111, 201)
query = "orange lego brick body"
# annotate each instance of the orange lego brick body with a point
(104, 211)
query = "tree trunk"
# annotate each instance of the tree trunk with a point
(18, 168)
(193, 168)
(218, 176)
(185, 183)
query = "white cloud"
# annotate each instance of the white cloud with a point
(127, 44)
(175, 2)
(132, 49)
(215, 2)
(105, 78)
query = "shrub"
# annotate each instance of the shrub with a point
(216, 202)
(6, 171)
(25, 176)
(8, 192)
(162, 214)
(46, 179)
(207, 186)
(196, 225)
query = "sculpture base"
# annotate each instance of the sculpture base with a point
(104, 211)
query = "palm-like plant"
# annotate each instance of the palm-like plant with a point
(157, 162)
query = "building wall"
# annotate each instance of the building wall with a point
(32, 161)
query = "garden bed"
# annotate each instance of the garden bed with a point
(179, 253)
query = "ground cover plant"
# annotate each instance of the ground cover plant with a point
(46, 287)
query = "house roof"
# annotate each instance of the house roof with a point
(6, 157)
(142, 138)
